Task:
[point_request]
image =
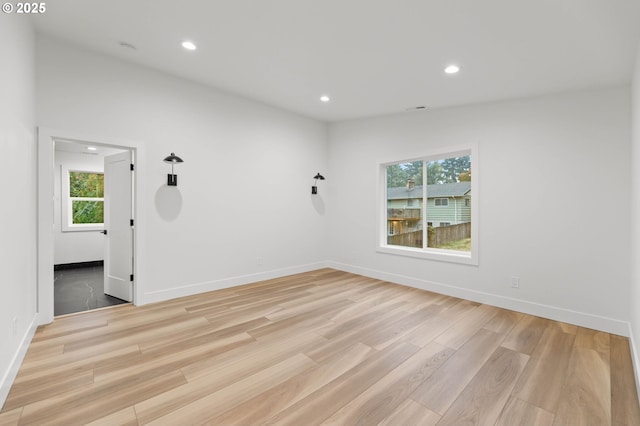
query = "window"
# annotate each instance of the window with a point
(444, 181)
(86, 193)
(83, 200)
(392, 227)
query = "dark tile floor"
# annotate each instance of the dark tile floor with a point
(80, 289)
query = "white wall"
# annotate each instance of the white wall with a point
(242, 209)
(554, 202)
(635, 214)
(75, 246)
(18, 208)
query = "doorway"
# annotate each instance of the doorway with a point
(80, 239)
(50, 203)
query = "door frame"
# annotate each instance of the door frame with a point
(45, 223)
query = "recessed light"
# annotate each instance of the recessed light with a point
(92, 148)
(188, 45)
(452, 69)
(325, 98)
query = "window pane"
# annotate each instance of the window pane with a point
(84, 184)
(88, 211)
(404, 204)
(449, 203)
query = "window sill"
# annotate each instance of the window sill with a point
(82, 228)
(440, 255)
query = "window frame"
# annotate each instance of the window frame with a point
(430, 253)
(435, 202)
(66, 202)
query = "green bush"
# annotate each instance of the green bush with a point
(88, 212)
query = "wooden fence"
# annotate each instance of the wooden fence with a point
(437, 236)
(447, 234)
(410, 239)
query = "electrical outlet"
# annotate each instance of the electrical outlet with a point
(515, 282)
(14, 326)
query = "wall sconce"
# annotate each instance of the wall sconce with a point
(314, 188)
(172, 180)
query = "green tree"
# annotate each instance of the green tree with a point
(395, 176)
(88, 211)
(454, 166)
(435, 173)
(414, 171)
(398, 174)
(84, 184)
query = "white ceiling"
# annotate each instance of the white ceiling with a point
(372, 57)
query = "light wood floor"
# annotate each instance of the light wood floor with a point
(324, 347)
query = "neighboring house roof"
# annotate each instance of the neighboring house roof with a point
(456, 189)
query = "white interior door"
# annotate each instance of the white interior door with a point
(118, 248)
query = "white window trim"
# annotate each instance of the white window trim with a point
(66, 203)
(435, 203)
(430, 253)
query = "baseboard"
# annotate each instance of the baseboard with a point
(582, 319)
(77, 265)
(16, 362)
(197, 288)
(635, 360)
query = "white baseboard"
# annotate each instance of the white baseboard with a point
(582, 319)
(16, 362)
(191, 289)
(609, 325)
(634, 359)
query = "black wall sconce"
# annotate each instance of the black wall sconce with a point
(314, 188)
(172, 180)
